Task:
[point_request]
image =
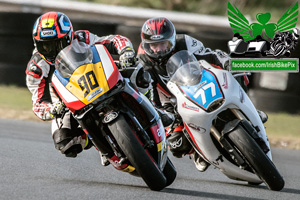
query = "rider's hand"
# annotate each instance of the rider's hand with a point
(56, 109)
(223, 58)
(127, 58)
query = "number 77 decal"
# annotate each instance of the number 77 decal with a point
(201, 92)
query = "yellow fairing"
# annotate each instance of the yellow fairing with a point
(88, 82)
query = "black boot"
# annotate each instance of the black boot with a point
(179, 144)
(200, 163)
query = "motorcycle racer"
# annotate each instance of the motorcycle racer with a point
(52, 32)
(159, 42)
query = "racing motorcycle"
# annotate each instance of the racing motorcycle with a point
(119, 121)
(220, 121)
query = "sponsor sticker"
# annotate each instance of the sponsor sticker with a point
(48, 33)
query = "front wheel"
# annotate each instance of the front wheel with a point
(169, 172)
(256, 158)
(140, 158)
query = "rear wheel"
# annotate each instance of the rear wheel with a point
(140, 158)
(256, 158)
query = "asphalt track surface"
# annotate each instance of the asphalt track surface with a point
(31, 168)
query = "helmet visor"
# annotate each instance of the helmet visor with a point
(50, 48)
(158, 49)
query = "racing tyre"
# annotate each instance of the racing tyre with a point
(144, 164)
(169, 172)
(256, 158)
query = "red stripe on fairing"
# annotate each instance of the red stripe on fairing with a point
(41, 89)
(192, 137)
(116, 75)
(156, 131)
(164, 91)
(216, 66)
(75, 105)
(72, 106)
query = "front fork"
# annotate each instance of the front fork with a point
(91, 128)
(241, 120)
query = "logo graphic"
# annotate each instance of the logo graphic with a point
(184, 105)
(263, 39)
(156, 37)
(110, 116)
(225, 84)
(197, 128)
(194, 43)
(241, 25)
(176, 143)
(48, 33)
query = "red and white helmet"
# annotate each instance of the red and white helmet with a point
(52, 32)
(156, 30)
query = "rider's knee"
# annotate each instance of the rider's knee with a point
(63, 142)
(179, 144)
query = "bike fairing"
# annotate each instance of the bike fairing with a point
(83, 94)
(220, 133)
(202, 98)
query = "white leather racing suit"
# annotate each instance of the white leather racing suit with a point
(38, 80)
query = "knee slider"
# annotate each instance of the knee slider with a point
(61, 138)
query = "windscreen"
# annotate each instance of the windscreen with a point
(184, 69)
(73, 56)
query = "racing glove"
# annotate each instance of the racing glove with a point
(127, 58)
(56, 109)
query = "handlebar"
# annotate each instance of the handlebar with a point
(241, 74)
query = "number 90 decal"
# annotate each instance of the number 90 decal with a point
(88, 82)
